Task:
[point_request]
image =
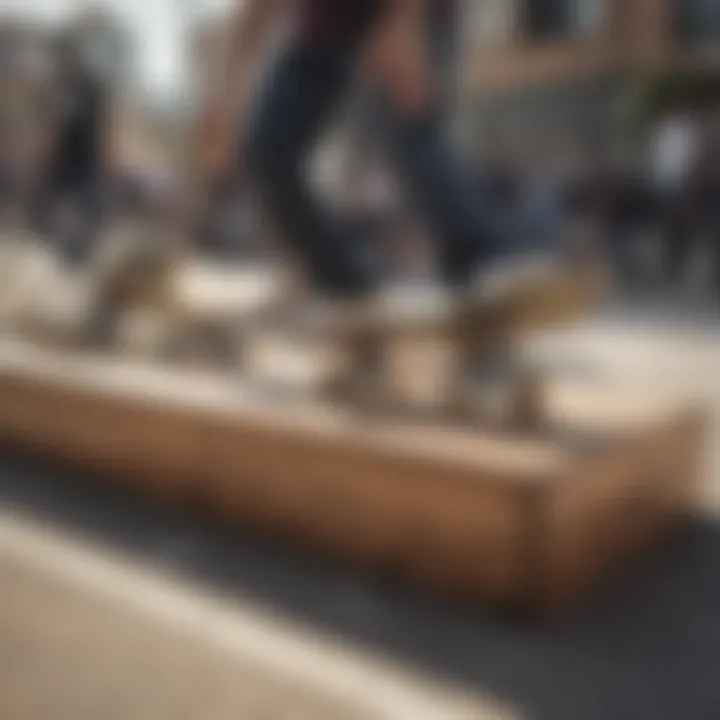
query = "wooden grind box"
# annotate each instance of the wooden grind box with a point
(520, 523)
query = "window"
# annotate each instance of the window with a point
(488, 23)
(589, 15)
(698, 20)
(545, 19)
(491, 20)
(556, 19)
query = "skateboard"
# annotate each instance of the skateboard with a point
(489, 380)
(151, 298)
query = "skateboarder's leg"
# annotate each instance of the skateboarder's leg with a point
(297, 102)
(714, 233)
(40, 205)
(86, 199)
(440, 185)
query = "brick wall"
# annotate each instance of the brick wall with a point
(635, 35)
(570, 82)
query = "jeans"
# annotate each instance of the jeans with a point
(714, 232)
(542, 216)
(307, 85)
(622, 239)
(81, 190)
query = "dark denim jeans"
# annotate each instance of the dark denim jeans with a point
(82, 190)
(298, 100)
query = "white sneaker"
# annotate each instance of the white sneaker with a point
(386, 310)
(329, 316)
(508, 275)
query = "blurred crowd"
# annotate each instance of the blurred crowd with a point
(650, 208)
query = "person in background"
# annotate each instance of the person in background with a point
(22, 77)
(543, 202)
(674, 150)
(69, 206)
(627, 213)
(585, 200)
(499, 186)
(714, 155)
(704, 190)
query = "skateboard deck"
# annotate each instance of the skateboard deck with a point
(487, 330)
(426, 315)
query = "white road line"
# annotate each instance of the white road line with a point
(244, 630)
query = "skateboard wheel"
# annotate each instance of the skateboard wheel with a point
(462, 405)
(222, 345)
(101, 328)
(358, 391)
(527, 410)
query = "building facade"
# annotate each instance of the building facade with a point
(543, 70)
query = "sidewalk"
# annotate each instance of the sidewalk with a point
(85, 636)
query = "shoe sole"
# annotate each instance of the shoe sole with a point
(481, 318)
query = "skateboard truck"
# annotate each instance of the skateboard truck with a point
(490, 382)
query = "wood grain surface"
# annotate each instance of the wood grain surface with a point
(531, 521)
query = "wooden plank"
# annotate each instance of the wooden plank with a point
(419, 313)
(488, 516)
(207, 395)
(614, 505)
